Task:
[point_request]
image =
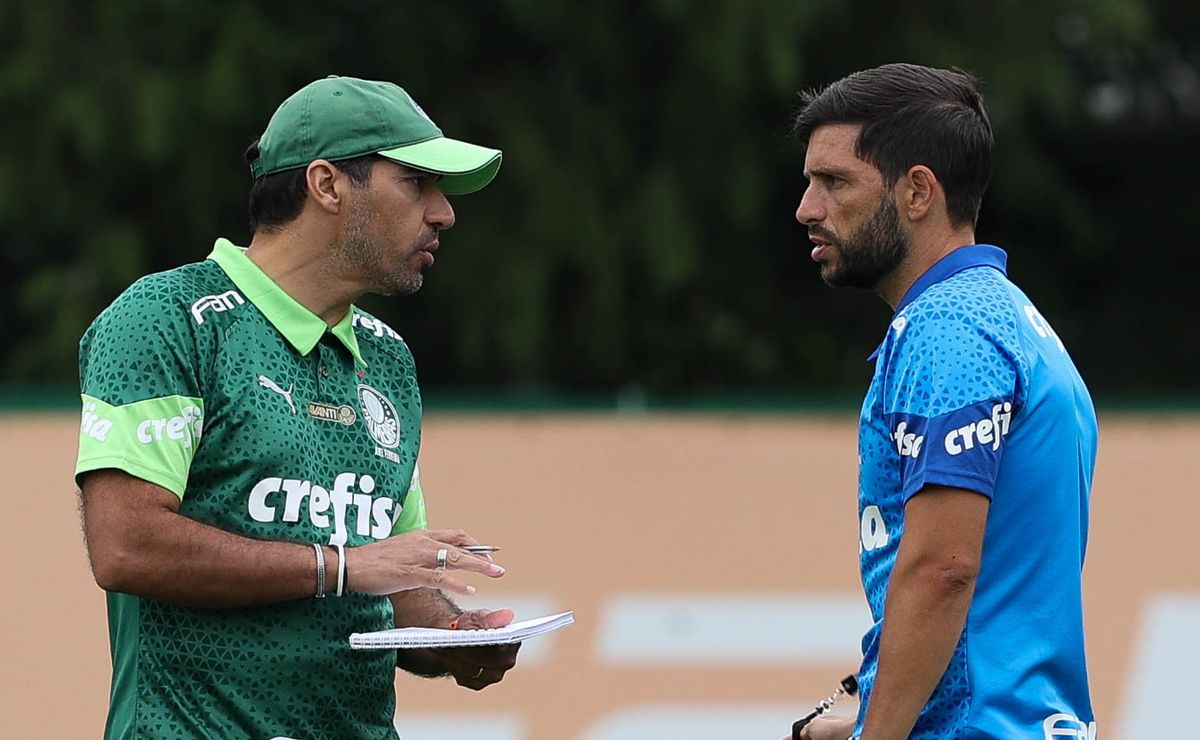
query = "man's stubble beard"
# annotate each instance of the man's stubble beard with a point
(870, 254)
(360, 252)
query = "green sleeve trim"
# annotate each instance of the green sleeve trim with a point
(155, 439)
(412, 515)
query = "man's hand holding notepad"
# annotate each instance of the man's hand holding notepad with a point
(429, 637)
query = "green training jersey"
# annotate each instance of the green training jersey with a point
(212, 382)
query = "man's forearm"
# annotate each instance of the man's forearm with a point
(194, 564)
(140, 544)
(923, 619)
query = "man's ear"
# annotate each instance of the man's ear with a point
(917, 192)
(322, 179)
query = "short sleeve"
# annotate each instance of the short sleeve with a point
(950, 396)
(143, 410)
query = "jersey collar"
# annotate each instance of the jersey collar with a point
(963, 258)
(301, 327)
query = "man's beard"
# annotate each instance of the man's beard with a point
(869, 254)
(360, 251)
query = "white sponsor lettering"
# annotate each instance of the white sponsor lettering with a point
(280, 499)
(907, 443)
(1042, 327)
(1067, 725)
(986, 431)
(92, 425)
(873, 534)
(223, 302)
(375, 326)
(185, 428)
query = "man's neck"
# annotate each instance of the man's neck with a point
(300, 266)
(923, 253)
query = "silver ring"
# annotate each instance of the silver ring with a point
(441, 558)
(477, 675)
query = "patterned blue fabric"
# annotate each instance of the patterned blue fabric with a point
(973, 389)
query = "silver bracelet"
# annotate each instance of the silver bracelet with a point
(320, 570)
(341, 582)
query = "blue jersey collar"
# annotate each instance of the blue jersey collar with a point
(963, 258)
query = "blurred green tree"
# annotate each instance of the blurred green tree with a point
(640, 233)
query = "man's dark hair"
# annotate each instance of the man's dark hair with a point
(912, 115)
(277, 198)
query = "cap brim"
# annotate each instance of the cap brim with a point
(464, 167)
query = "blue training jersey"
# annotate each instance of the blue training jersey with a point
(973, 389)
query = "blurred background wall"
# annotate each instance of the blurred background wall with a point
(710, 561)
(637, 257)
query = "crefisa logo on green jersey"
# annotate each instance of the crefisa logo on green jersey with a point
(185, 428)
(347, 504)
(92, 425)
(383, 423)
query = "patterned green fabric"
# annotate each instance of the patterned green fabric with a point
(211, 382)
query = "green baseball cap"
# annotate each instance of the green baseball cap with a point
(343, 117)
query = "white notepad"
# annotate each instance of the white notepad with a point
(429, 637)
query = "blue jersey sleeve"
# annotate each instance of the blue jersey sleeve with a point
(951, 392)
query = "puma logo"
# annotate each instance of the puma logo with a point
(270, 385)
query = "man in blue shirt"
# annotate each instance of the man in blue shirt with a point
(977, 438)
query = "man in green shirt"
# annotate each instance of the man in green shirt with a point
(249, 440)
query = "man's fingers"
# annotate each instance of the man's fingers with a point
(460, 560)
(477, 671)
(480, 680)
(476, 677)
(482, 619)
(499, 618)
(456, 537)
(440, 580)
(453, 540)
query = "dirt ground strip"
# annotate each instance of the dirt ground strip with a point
(592, 508)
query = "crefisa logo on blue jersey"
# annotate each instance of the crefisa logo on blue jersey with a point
(989, 430)
(383, 423)
(908, 444)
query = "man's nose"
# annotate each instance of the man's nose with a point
(439, 214)
(809, 211)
